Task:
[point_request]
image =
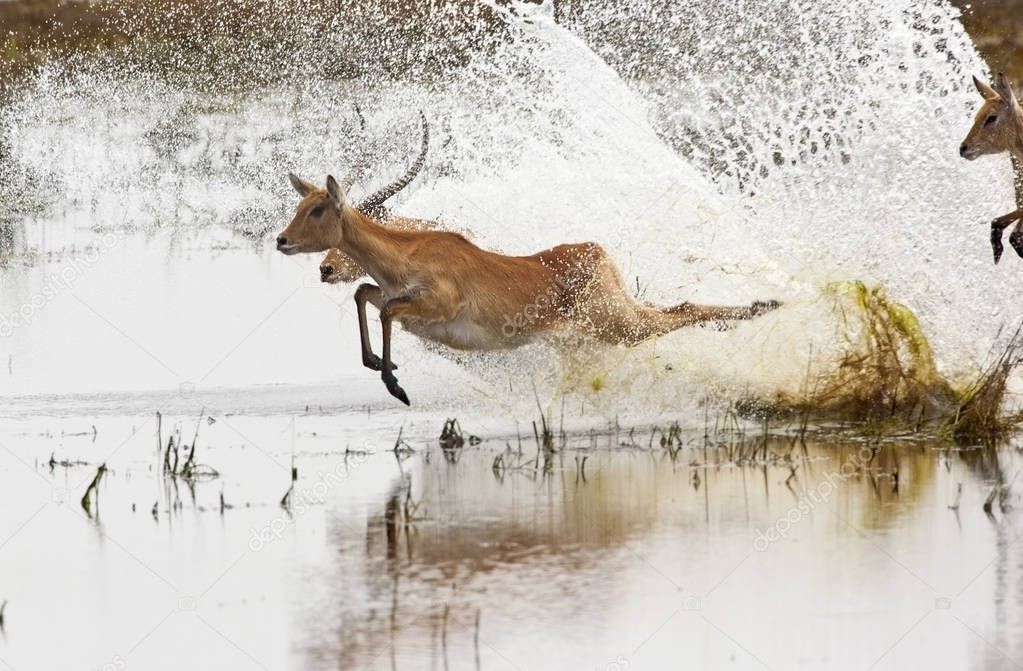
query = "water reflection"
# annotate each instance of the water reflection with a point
(655, 562)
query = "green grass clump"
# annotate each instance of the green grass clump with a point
(886, 379)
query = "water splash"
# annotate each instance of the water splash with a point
(723, 152)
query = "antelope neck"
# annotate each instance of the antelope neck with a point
(366, 242)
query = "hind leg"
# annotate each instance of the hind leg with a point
(608, 311)
(602, 306)
(630, 323)
(368, 293)
(699, 314)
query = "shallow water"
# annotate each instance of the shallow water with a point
(438, 559)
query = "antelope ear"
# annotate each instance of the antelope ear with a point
(986, 92)
(337, 198)
(1004, 91)
(303, 187)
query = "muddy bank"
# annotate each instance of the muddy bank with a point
(202, 41)
(997, 32)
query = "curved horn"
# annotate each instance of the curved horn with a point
(359, 167)
(377, 199)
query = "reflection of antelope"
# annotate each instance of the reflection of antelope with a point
(997, 128)
(443, 288)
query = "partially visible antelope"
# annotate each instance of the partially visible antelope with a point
(998, 128)
(443, 288)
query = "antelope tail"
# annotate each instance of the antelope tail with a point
(377, 199)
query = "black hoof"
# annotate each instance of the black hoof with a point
(373, 362)
(392, 385)
(1016, 240)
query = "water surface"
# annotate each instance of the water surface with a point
(842, 555)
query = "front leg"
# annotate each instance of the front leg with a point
(386, 370)
(422, 305)
(998, 227)
(372, 294)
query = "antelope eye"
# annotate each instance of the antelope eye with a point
(316, 211)
(991, 119)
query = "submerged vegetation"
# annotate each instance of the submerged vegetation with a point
(179, 457)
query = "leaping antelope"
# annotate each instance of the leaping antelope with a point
(443, 288)
(997, 128)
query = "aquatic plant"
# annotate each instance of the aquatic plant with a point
(885, 377)
(980, 409)
(887, 369)
(91, 496)
(190, 470)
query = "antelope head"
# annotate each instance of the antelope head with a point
(337, 268)
(318, 221)
(998, 125)
(316, 225)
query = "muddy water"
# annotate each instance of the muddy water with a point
(837, 556)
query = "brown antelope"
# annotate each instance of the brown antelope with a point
(443, 288)
(997, 128)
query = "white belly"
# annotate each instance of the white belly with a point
(459, 333)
